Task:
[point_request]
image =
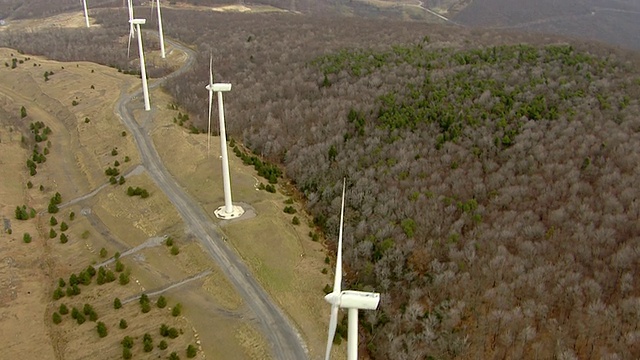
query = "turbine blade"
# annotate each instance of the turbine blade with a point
(338, 278)
(152, 6)
(333, 323)
(210, 101)
(210, 70)
(129, 45)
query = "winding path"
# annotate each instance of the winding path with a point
(285, 340)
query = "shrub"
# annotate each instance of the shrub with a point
(177, 310)
(102, 329)
(52, 208)
(162, 302)
(147, 342)
(26, 238)
(145, 307)
(119, 266)
(63, 310)
(87, 309)
(117, 304)
(114, 152)
(175, 250)
(127, 342)
(295, 221)
(103, 253)
(123, 324)
(290, 210)
(80, 319)
(169, 241)
(173, 333)
(144, 298)
(126, 353)
(124, 278)
(162, 345)
(57, 319)
(58, 294)
(72, 216)
(29, 184)
(192, 351)
(174, 356)
(75, 103)
(21, 213)
(164, 330)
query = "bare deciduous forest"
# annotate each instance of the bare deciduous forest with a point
(492, 178)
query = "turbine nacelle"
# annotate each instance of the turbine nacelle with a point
(138, 21)
(351, 299)
(217, 87)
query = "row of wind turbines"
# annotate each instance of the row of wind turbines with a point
(351, 300)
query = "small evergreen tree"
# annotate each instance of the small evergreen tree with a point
(117, 304)
(127, 342)
(177, 310)
(124, 278)
(58, 293)
(63, 238)
(145, 307)
(26, 238)
(123, 324)
(174, 356)
(103, 253)
(53, 221)
(192, 351)
(162, 345)
(102, 329)
(52, 234)
(162, 302)
(63, 309)
(23, 112)
(64, 226)
(126, 353)
(57, 319)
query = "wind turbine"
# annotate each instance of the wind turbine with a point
(347, 299)
(131, 27)
(160, 33)
(228, 211)
(143, 70)
(86, 14)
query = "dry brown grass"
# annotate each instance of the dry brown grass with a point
(286, 262)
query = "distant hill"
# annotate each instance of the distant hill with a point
(611, 21)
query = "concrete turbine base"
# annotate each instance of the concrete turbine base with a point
(234, 214)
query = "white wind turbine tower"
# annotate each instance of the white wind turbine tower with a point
(347, 299)
(86, 14)
(143, 70)
(228, 211)
(160, 32)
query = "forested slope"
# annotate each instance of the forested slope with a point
(492, 179)
(491, 182)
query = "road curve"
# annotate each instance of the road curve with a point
(284, 339)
